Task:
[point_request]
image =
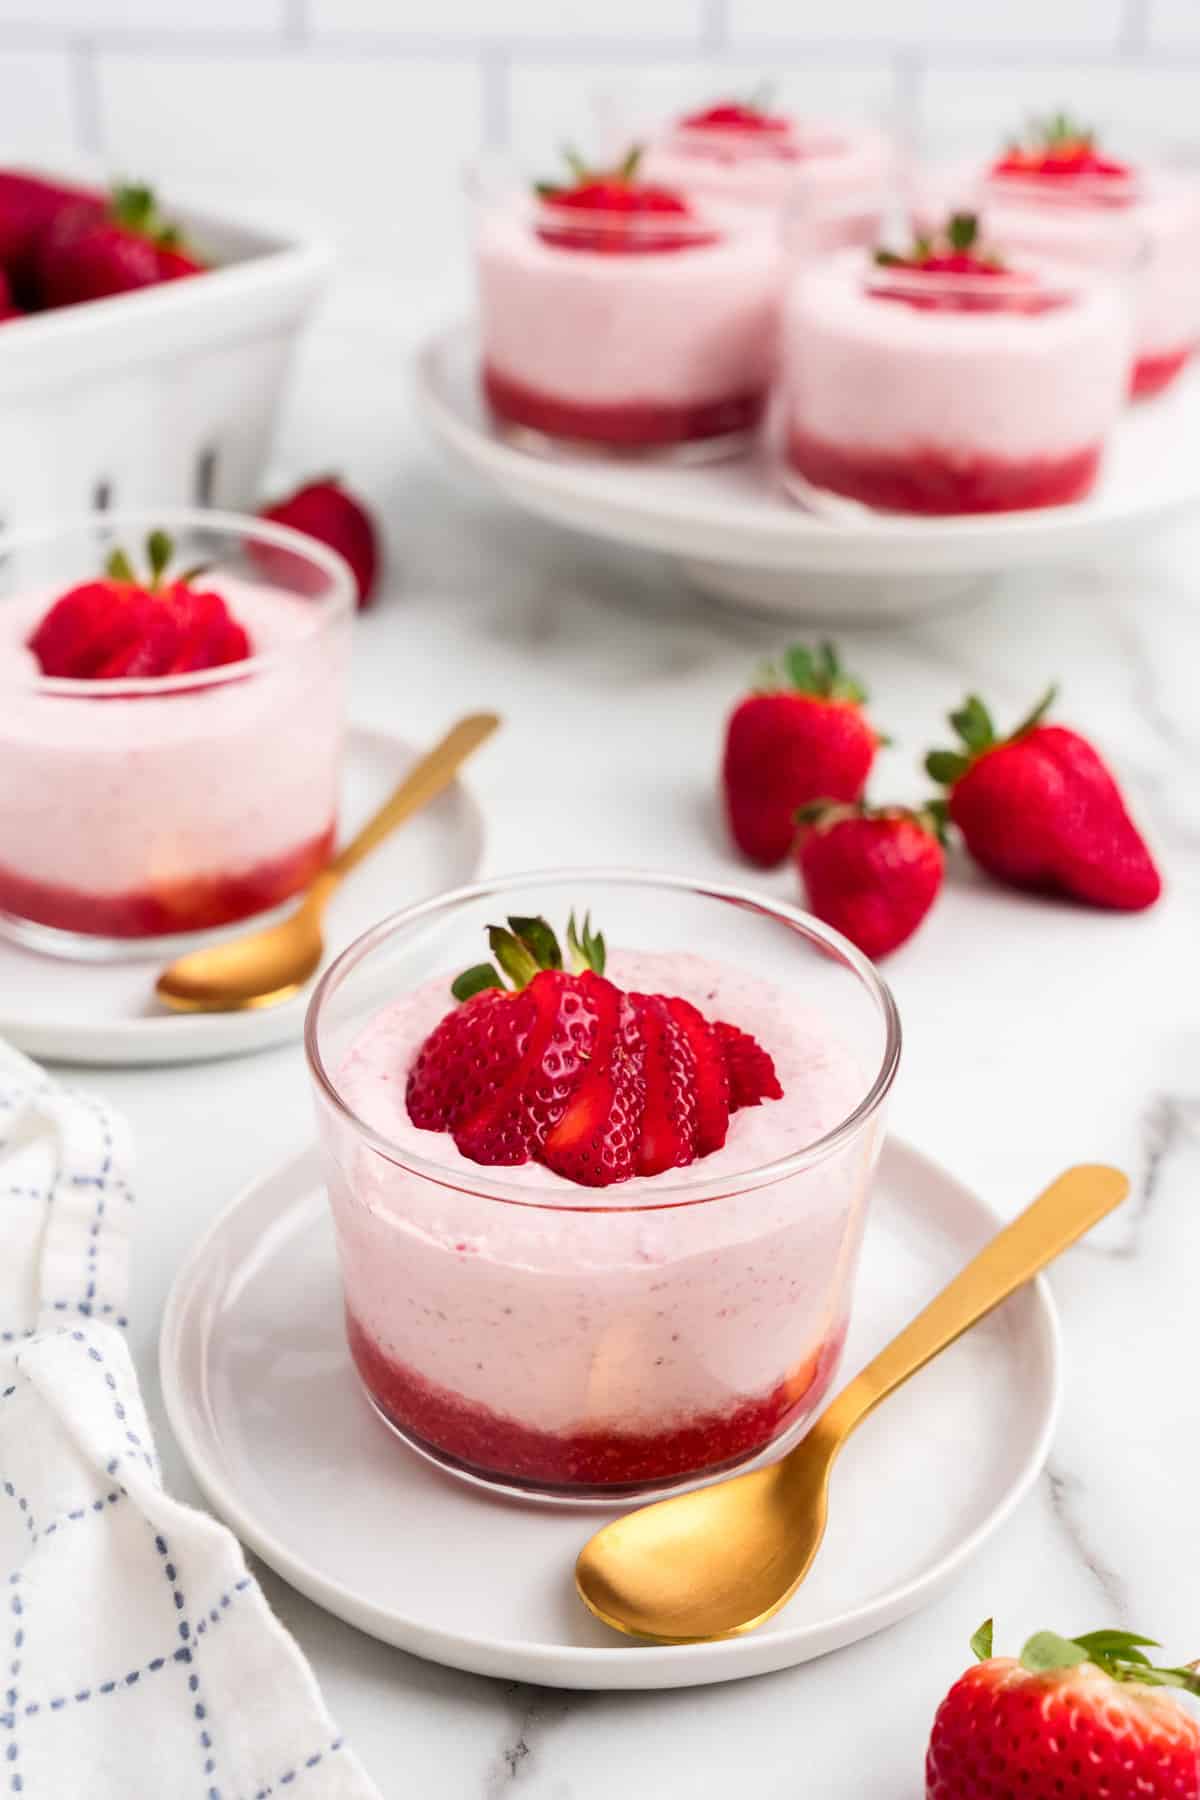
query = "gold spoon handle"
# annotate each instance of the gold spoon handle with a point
(422, 784)
(1070, 1206)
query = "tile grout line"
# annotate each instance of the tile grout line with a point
(714, 25)
(494, 64)
(1133, 31)
(296, 28)
(85, 96)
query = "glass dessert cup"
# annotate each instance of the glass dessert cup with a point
(838, 174)
(583, 1344)
(625, 334)
(941, 393)
(139, 815)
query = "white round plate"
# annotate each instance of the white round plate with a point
(259, 1390)
(737, 534)
(107, 1013)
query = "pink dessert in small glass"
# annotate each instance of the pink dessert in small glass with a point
(601, 1278)
(745, 153)
(170, 734)
(615, 313)
(1057, 193)
(946, 379)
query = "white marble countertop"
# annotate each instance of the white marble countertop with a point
(1036, 1036)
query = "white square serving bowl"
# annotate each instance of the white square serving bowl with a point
(167, 396)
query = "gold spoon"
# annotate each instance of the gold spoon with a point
(269, 966)
(722, 1560)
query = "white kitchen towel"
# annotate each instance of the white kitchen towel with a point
(139, 1659)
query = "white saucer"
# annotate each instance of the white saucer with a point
(107, 1013)
(259, 1390)
(736, 534)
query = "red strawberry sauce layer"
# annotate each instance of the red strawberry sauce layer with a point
(195, 903)
(490, 1444)
(936, 481)
(629, 424)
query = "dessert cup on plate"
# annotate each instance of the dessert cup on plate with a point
(140, 809)
(1060, 195)
(739, 153)
(617, 315)
(947, 381)
(584, 1339)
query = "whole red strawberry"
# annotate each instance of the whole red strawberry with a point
(8, 306)
(569, 1071)
(871, 872)
(325, 510)
(1084, 1718)
(119, 626)
(89, 256)
(1039, 810)
(610, 210)
(29, 206)
(801, 736)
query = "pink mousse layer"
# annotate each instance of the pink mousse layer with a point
(836, 173)
(867, 375)
(567, 1318)
(1152, 242)
(678, 332)
(107, 798)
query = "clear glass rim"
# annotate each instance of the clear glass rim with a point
(333, 606)
(1085, 190)
(684, 1193)
(1006, 288)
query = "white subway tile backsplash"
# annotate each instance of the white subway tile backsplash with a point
(603, 106)
(368, 152)
(35, 104)
(1173, 22)
(935, 23)
(591, 20)
(1131, 103)
(158, 16)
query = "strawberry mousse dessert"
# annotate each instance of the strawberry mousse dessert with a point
(744, 153)
(616, 313)
(948, 379)
(599, 1199)
(171, 727)
(1057, 192)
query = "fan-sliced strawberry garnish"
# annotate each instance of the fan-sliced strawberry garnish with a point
(973, 278)
(611, 210)
(118, 626)
(1059, 148)
(569, 1071)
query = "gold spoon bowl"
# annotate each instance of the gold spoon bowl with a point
(720, 1561)
(268, 966)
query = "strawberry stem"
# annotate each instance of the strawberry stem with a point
(818, 672)
(524, 948)
(118, 567)
(1120, 1654)
(973, 725)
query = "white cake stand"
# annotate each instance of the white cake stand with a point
(735, 534)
